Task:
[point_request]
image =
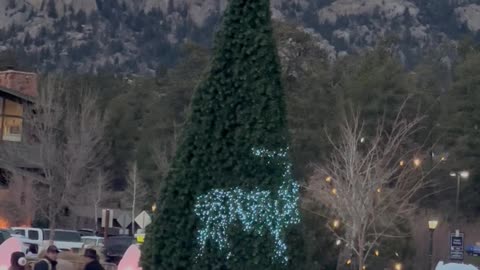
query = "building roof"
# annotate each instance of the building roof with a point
(89, 212)
(16, 94)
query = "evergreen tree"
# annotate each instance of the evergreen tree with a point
(8, 59)
(52, 9)
(230, 201)
(11, 4)
(374, 82)
(463, 126)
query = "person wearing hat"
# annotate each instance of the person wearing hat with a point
(50, 260)
(17, 261)
(92, 258)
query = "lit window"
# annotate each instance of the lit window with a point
(12, 121)
(13, 108)
(12, 129)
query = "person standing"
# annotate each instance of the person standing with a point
(92, 258)
(17, 261)
(32, 251)
(50, 260)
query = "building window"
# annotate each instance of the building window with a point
(4, 179)
(66, 212)
(12, 121)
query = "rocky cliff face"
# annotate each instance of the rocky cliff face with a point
(142, 35)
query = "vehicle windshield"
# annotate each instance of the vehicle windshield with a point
(64, 236)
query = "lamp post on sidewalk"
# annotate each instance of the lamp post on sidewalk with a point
(459, 175)
(432, 225)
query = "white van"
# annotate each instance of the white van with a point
(65, 240)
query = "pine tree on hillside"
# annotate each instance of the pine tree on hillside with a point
(463, 126)
(230, 201)
(52, 9)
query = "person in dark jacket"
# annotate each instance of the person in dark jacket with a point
(50, 260)
(17, 261)
(92, 258)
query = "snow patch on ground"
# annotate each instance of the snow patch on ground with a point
(455, 266)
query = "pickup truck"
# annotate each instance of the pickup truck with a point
(65, 240)
(116, 246)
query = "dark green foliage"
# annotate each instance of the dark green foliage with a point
(51, 9)
(11, 4)
(375, 82)
(8, 59)
(464, 124)
(237, 108)
(81, 17)
(27, 41)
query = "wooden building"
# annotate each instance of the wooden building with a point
(17, 89)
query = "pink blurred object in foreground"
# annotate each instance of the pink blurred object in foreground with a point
(130, 260)
(8, 247)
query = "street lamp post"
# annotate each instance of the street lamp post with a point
(459, 175)
(432, 225)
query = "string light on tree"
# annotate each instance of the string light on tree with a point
(336, 223)
(259, 211)
(417, 162)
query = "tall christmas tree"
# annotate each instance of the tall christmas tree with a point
(230, 201)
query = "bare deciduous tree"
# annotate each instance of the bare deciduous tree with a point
(102, 184)
(136, 191)
(370, 185)
(160, 157)
(66, 129)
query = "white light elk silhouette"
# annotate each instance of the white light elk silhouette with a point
(259, 211)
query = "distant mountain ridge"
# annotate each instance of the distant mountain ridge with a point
(140, 36)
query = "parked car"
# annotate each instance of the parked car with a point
(116, 246)
(140, 236)
(65, 240)
(87, 232)
(29, 237)
(473, 250)
(92, 241)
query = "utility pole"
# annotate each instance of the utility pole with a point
(106, 226)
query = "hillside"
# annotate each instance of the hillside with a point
(141, 36)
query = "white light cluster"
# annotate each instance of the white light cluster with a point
(259, 211)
